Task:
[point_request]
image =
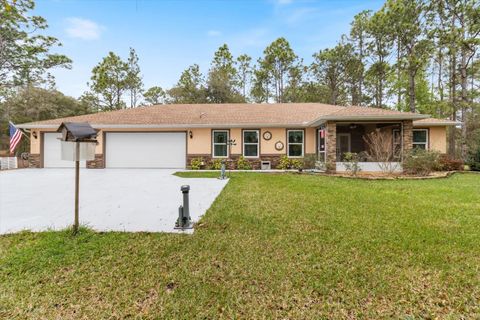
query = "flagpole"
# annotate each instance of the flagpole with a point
(13, 124)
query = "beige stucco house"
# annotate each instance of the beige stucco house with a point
(170, 136)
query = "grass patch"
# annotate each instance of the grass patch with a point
(271, 246)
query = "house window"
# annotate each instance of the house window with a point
(420, 139)
(295, 143)
(250, 143)
(220, 143)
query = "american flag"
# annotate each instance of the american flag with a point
(15, 136)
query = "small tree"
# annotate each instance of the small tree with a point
(380, 150)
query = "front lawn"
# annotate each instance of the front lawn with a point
(271, 246)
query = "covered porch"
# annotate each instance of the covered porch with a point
(375, 145)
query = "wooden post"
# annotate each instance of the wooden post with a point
(77, 185)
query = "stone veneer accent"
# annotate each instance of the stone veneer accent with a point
(407, 135)
(34, 160)
(231, 161)
(98, 163)
(331, 146)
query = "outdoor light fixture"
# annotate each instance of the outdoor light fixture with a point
(34, 134)
(190, 133)
(353, 126)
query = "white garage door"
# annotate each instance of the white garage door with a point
(52, 152)
(145, 150)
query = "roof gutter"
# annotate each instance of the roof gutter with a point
(324, 119)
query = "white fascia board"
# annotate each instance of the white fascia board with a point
(437, 124)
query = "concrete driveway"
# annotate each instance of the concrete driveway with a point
(110, 199)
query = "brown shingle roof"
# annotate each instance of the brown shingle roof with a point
(285, 114)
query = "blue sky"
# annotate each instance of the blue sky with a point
(170, 35)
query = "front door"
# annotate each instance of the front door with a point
(343, 145)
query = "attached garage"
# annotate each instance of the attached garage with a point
(167, 150)
(52, 152)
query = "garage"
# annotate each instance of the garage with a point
(52, 152)
(166, 150)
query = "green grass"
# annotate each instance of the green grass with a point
(271, 246)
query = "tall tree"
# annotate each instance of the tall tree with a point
(358, 36)
(408, 26)
(25, 56)
(468, 15)
(260, 90)
(155, 95)
(279, 59)
(134, 79)
(222, 78)
(244, 72)
(34, 104)
(378, 48)
(190, 88)
(109, 81)
(339, 70)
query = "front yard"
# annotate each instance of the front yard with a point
(271, 246)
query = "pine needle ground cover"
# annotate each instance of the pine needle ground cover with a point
(271, 246)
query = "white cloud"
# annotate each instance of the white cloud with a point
(214, 33)
(83, 29)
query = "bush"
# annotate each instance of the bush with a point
(474, 160)
(287, 163)
(421, 162)
(309, 161)
(446, 163)
(351, 163)
(216, 164)
(243, 164)
(296, 164)
(284, 163)
(196, 163)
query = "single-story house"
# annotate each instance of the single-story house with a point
(170, 136)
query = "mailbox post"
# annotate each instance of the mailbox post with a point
(78, 143)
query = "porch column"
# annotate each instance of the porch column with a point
(407, 138)
(331, 146)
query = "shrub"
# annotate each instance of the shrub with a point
(309, 161)
(446, 163)
(474, 160)
(287, 163)
(351, 163)
(284, 163)
(380, 150)
(296, 164)
(243, 164)
(421, 162)
(196, 163)
(216, 164)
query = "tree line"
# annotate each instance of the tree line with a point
(411, 55)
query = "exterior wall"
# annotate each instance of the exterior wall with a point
(35, 142)
(200, 145)
(437, 138)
